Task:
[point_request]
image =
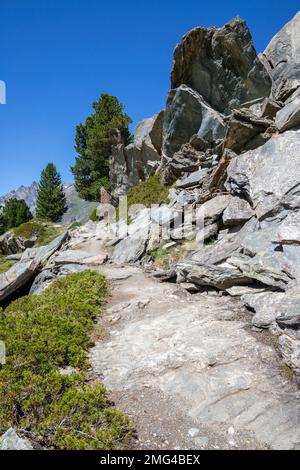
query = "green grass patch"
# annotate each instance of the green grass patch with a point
(5, 264)
(44, 231)
(148, 192)
(43, 334)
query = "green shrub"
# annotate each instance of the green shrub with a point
(43, 334)
(148, 192)
(94, 216)
(44, 231)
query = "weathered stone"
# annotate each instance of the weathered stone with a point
(269, 176)
(23, 271)
(207, 233)
(282, 58)
(264, 304)
(221, 276)
(186, 160)
(213, 209)
(149, 132)
(194, 179)
(290, 350)
(221, 64)
(288, 232)
(237, 212)
(11, 441)
(10, 244)
(78, 257)
(220, 173)
(188, 114)
(271, 269)
(131, 248)
(163, 215)
(269, 108)
(289, 116)
(242, 127)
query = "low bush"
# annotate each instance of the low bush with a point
(148, 192)
(43, 334)
(44, 231)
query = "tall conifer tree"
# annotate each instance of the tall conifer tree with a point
(51, 199)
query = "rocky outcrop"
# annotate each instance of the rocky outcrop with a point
(268, 177)
(282, 59)
(221, 65)
(11, 244)
(23, 271)
(187, 114)
(139, 160)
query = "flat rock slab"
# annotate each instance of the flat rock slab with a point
(184, 362)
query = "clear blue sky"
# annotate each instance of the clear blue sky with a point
(57, 56)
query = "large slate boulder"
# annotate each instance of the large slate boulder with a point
(23, 271)
(222, 65)
(269, 176)
(282, 58)
(187, 114)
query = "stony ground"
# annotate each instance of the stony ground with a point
(189, 370)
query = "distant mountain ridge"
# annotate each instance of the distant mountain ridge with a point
(78, 209)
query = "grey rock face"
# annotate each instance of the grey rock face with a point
(188, 114)
(149, 132)
(282, 57)
(194, 179)
(11, 441)
(221, 64)
(289, 116)
(237, 212)
(269, 176)
(242, 127)
(131, 248)
(213, 209)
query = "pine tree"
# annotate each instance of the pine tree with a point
(93, 146)
(51, 199)
(14, 213)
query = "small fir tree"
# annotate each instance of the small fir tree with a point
(14, 213)
(51, 199)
